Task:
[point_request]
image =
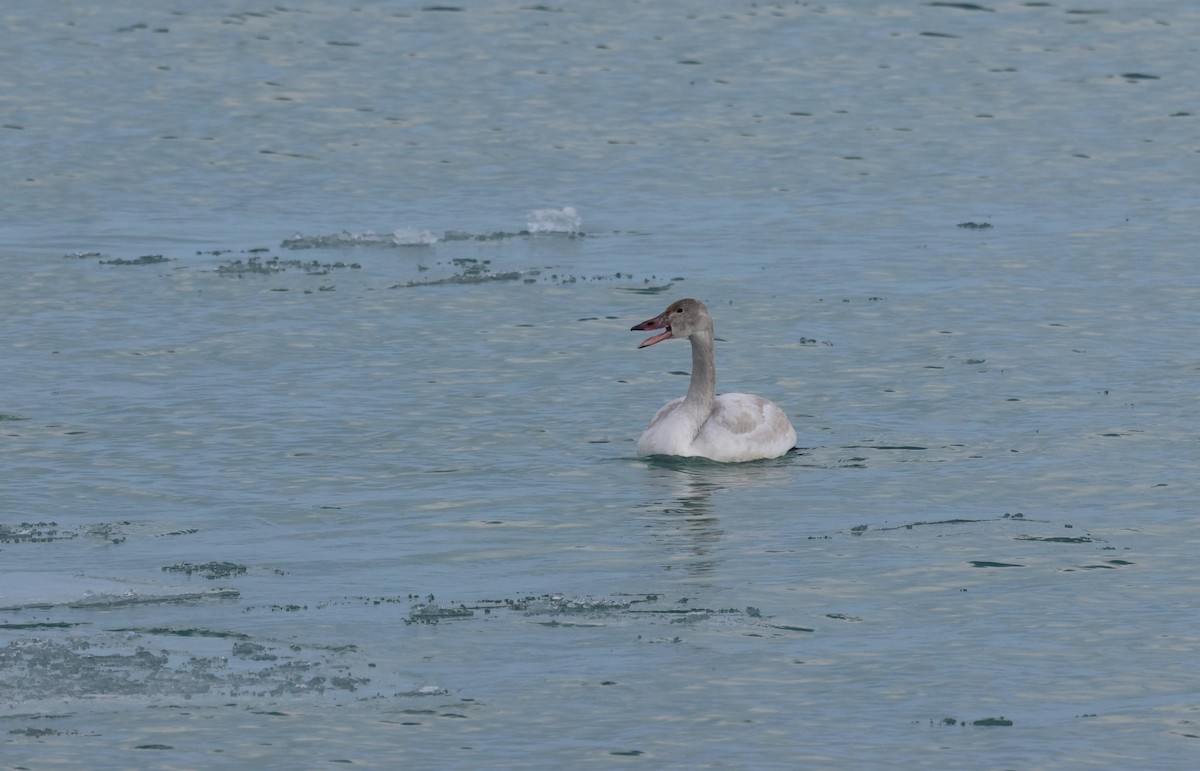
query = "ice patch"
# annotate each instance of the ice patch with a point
(413, 237)
(565, 220)
(24, 591)
(398, 237)
(163, 663)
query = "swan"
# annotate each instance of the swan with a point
(729, 428)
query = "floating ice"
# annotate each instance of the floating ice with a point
(429, 613)
(565, 220)
(413, 237)
(164, 663)
(398, 237)
(22, 591)
(557, 603)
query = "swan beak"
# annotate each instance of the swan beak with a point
(658, 322)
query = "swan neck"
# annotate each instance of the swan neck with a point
(703, 388)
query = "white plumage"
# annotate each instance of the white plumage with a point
(729, 428)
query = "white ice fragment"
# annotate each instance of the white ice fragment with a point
(413, 237)
(565, 220)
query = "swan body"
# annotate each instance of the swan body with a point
(729, 428)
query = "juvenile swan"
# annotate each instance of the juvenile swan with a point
(728, 428)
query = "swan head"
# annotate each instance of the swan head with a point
(682, 318)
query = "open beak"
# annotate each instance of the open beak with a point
(658, 322)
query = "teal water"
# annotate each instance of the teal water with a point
(319, 406)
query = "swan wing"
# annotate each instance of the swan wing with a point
(745, 427)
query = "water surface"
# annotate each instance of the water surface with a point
(320, 404)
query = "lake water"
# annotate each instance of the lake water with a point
(319, 401)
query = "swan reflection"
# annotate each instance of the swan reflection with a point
(684, 510)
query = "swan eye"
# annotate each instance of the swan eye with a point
(679, 310)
